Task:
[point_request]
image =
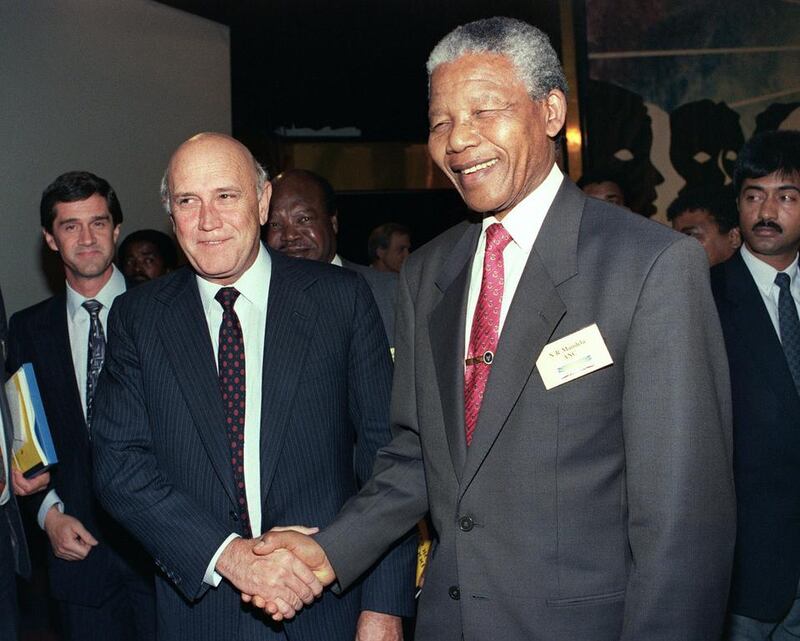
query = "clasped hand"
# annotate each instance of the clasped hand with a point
(279, 572)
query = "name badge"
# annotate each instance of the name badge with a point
(573, 356)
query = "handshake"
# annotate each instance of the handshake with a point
(279, 572)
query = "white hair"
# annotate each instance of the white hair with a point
(527, 47)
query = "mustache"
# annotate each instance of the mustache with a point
(770, 224)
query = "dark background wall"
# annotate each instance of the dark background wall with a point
(355, 63)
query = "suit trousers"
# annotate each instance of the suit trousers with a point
(8, 582)
(742, 628)
(128, 614)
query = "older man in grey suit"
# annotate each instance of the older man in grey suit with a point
(561, 395)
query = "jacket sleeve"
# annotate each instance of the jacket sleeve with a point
(389, 586)
(395, 497)
(678, 454)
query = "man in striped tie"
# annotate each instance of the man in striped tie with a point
(757, 293)
(99, 577)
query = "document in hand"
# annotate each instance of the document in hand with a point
(33, 449)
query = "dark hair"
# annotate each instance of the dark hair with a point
(717, 201)
(328, 194)
(163, 243)
(602, 175)
(381, 237)
(72, 187)
(767, 153)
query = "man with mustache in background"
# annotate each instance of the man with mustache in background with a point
(757, 293)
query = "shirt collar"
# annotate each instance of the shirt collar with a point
(252, 285)
(113, 288)
(525, 220)
(764, 274)
(337, 260)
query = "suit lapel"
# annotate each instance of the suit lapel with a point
(185, 336)
(532, 318)
(53, 347)
(755, 329)
(447, 334)
(291, 320)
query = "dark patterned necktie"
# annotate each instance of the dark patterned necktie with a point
(789, 325)
(96, 354)
(485, 326)
(232, 386)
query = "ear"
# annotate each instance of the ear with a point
(263, 203)
(335, 222)
(116, 235)
(556, 111)
(172, 220)
(735, 238)
(49, 239)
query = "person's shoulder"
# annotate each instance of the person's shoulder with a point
(722, 274)
(36, 312)
(162, 289)
(604, 218)
(372, 276)
(440, 246)
(323, 281)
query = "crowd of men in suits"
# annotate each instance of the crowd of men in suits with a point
(604, 438)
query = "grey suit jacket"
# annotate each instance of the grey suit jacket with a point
(600, 510)
(383, 286)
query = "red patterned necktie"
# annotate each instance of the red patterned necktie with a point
(485, 326)
(232, 386)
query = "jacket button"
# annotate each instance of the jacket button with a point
(454, 592)
(465, 523)
(234, 516)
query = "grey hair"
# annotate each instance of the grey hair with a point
(262, 178)
(527, 47)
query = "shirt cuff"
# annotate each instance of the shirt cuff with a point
(212, 577)
(50, 500)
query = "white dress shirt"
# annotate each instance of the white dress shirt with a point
(251, 308)
(78, 320)
(764, 277)
(523, 224)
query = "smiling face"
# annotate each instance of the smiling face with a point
(85, 236)
(487, 135)
(769, 217)
(299, 224)
(216, 211)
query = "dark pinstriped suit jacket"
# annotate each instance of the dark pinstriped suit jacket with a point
(39, 335)
(161, 452)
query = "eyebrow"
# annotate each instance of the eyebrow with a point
(67, 221)
(787, 187)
